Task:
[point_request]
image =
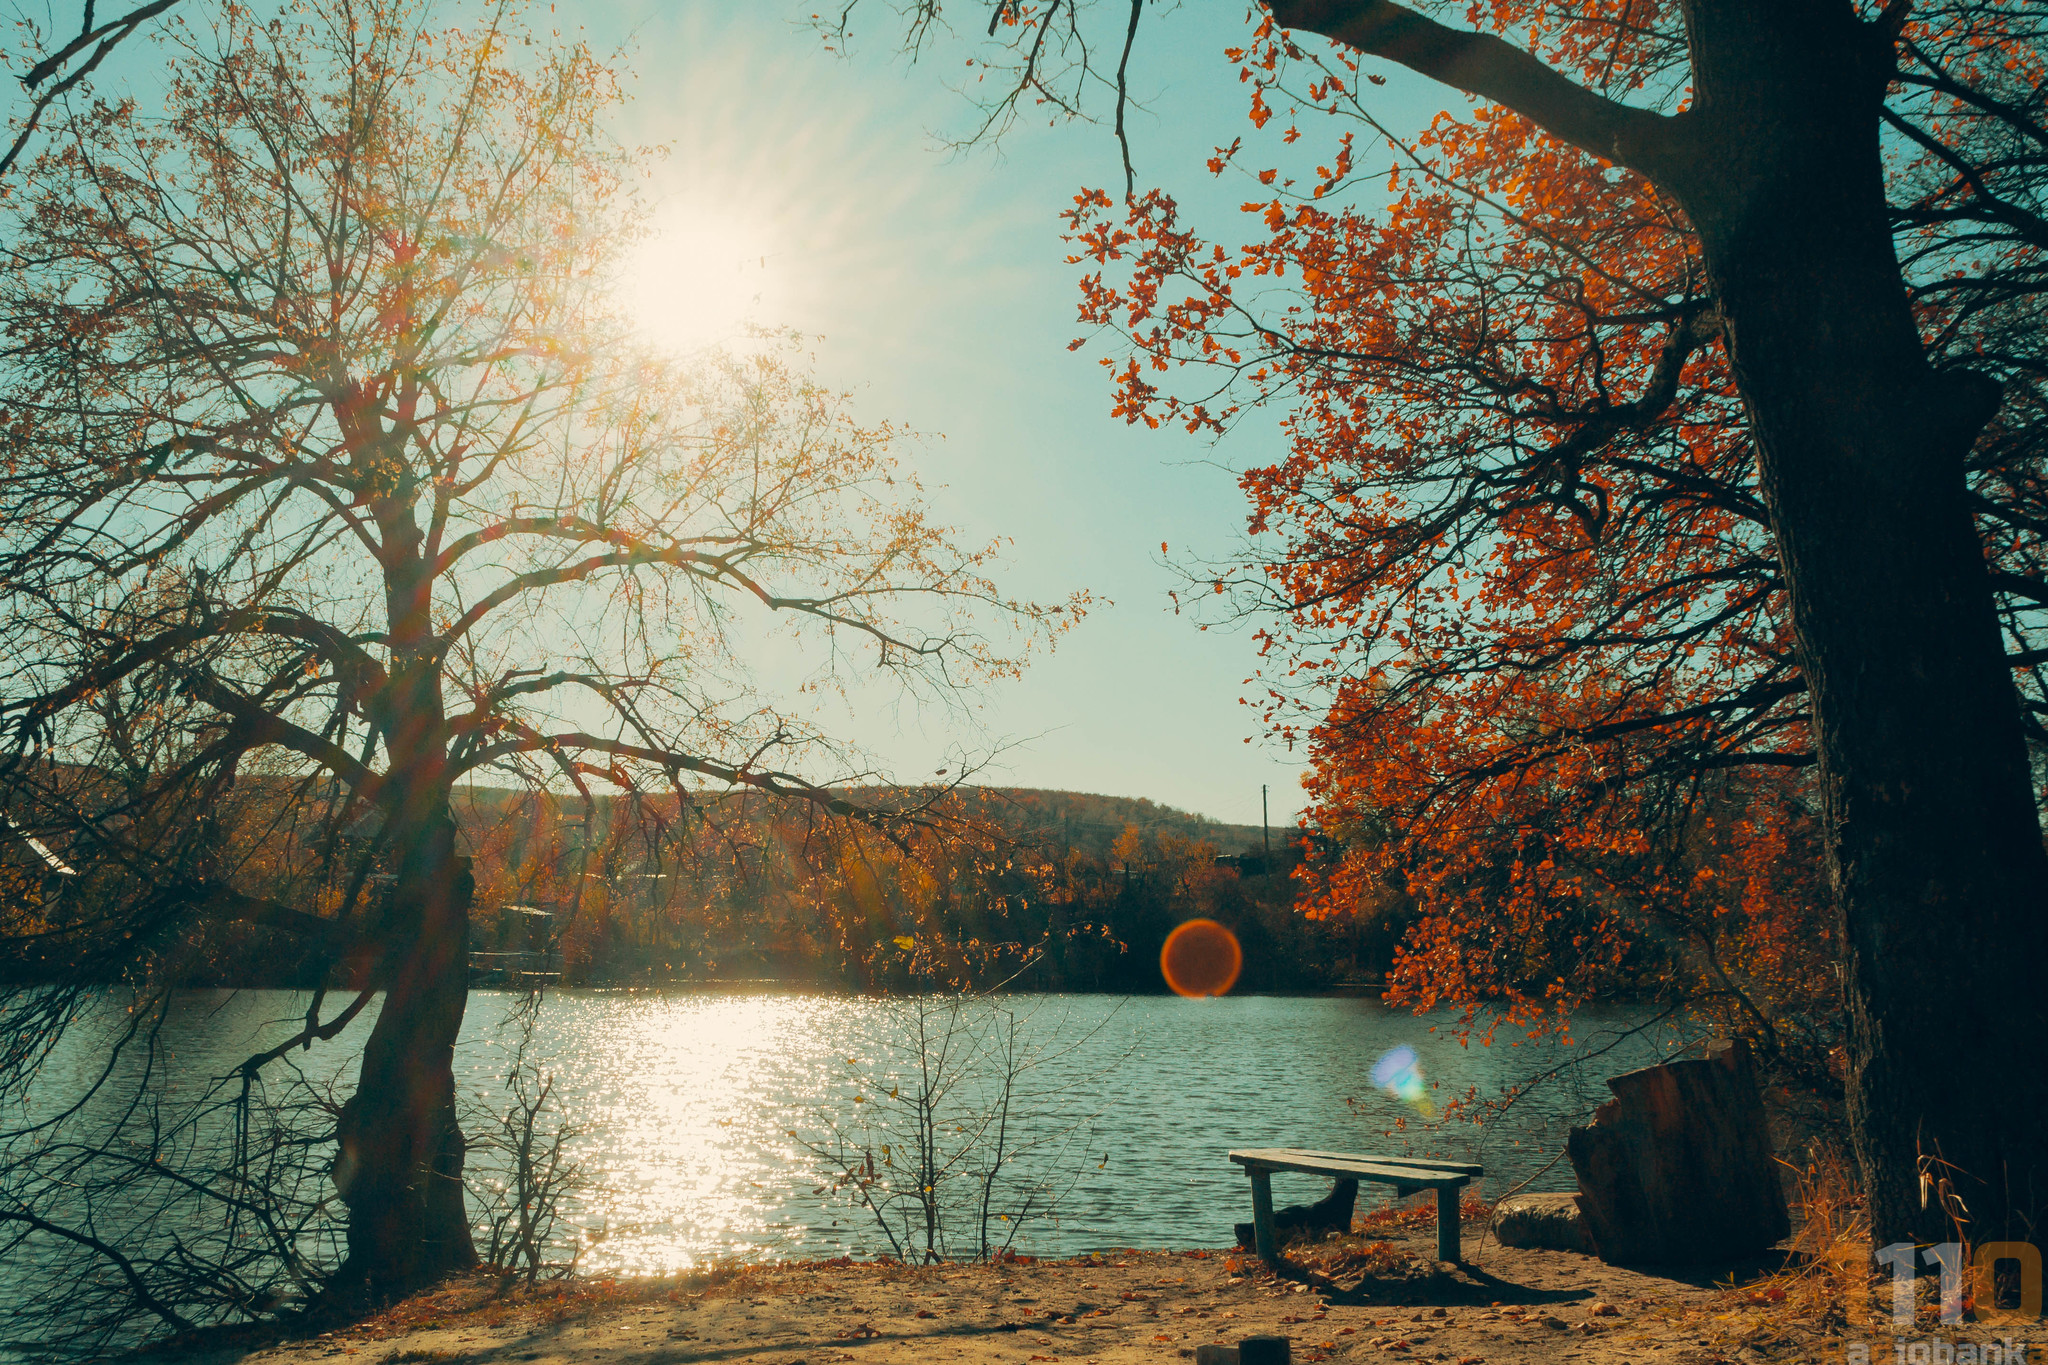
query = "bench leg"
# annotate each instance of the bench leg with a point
(1447, 1222)
(1263, 1240)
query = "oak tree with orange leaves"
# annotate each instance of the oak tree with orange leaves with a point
(1674, 428)
(328, 449)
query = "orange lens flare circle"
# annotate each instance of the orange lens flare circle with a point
(1201, 957)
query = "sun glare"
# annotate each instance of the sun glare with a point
(700, 277)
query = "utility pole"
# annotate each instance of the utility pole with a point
(581, 826)
(1265, 828)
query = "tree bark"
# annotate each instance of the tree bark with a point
(398, 1168)
(1933, 842)
(1934, 846)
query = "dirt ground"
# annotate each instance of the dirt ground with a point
(1379, 1296)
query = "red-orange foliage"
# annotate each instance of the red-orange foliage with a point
(1520, 591)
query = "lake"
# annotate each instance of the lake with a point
(702, 1115)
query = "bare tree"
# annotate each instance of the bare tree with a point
(529, 1169)
(329, 451)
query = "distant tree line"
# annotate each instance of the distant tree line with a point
(1018, 887)
(1042, 890)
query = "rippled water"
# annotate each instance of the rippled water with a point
(687, 1104)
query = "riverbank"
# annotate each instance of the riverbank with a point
(1379, 1298)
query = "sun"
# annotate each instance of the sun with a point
(701, 276)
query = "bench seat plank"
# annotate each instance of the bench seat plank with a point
(1350, 1168)
(1431, 1162)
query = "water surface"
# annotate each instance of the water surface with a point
(698, 1114)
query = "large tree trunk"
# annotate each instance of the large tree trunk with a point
(1934, 847)
(399, 1164)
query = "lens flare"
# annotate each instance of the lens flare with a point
(1399, 1073)
(1201, 957)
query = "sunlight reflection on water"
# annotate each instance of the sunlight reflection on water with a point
(687, 1101)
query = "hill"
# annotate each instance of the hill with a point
(1091, 822)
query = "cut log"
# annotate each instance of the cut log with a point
(1551, 1222)
(1677, 1167)
(1331, 1213)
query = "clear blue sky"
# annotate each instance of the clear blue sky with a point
(938, 286)
(814, 190)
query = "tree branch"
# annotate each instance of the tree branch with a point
(1123, 97)
(1494, 70)
(776, 783)
(246, 909)
(306, 1037)
(50, 65)
(261, 725)
(136, 1284)
(113, 33)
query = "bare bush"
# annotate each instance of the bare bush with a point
(960, 1133)
(520, 1174)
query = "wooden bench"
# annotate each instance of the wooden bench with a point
(1408, 1175)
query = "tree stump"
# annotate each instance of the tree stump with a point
(1677, 1167)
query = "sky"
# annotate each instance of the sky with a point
(936, 285)
(816, 190)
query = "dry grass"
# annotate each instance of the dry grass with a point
(1827, 1277)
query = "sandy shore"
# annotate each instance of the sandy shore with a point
(1382, 1299)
